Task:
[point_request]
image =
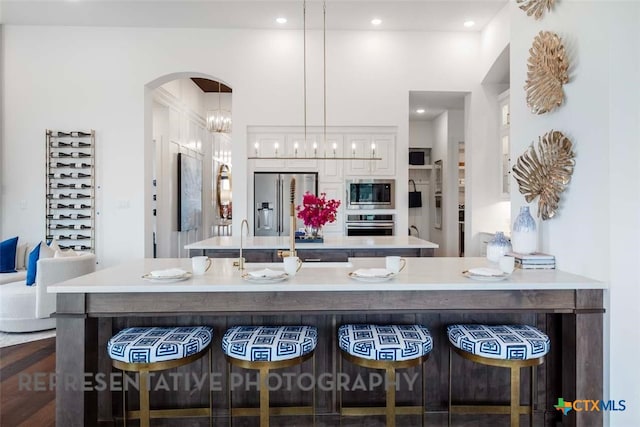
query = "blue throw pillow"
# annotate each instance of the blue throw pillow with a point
(8, 255)
(34, 255)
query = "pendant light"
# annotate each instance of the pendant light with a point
(333, 152)
(219, 121)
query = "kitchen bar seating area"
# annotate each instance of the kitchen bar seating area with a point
(428, 291)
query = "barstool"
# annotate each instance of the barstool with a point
(149, 349)
(387, 347)
(507, 346)
(265, 348)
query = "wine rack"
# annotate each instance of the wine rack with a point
(71, 189)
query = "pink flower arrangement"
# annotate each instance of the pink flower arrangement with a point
(316, 211)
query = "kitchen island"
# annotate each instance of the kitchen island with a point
(333, 249)
(430, 291)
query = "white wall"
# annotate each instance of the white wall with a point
(420, 133)
(596, 232)
(263, 67)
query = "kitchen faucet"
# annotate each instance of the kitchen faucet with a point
(292, 226)
(240, 262)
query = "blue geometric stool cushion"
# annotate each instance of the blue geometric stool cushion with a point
(158, 344)
(385, 342)
(506, 342)
(269, 343)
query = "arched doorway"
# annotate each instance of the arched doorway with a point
(181, 160)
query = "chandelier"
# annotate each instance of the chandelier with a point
(219, 120)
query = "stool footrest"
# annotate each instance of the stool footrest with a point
(288, 410)
(380, 410)
(488, 409)
(171, 413)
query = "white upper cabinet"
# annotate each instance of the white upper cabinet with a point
(297, 149)
(331, 170)
(265, 146)
(366, 147)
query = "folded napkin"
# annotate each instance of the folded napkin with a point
(171, 272)
(266, 273)
(373, 272)
(486, 271)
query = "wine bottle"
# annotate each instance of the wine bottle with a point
(77, 154)
(59, 165)
(58, 144)
(80, 165)
(80, 175)
(58, 206)
(80, 144)
(81, 134)
(80, 186)
(60, 154)
(63, 134)
(59, 185)
(79, 216)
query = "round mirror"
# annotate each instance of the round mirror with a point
(223, 192)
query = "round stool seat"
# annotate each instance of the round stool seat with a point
(506, 342)
(269, 343)
(158, 344)
(385, 342)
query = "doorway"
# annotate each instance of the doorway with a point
(180, 138)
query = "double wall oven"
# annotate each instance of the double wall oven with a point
(370, 194)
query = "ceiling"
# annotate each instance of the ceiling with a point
(434, 104)
(207, 85)
(396, 15)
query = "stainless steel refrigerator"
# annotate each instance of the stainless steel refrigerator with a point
(271, 197)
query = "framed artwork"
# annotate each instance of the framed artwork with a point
(189, 193)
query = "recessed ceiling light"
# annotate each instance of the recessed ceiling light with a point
(376, 21)
(469, 24)
(281, 20)
(420, 111)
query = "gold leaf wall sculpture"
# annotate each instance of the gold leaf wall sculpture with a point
(547, 71)
(545, 172)
(535, 7)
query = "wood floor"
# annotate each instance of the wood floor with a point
(22, 408)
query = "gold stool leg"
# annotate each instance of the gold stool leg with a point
(449, 409)
(391, 397)
(209, 387)
(534, 382)
(313, 391)
(229, 416)
(515, 396)
(124, 400)
(144, 399)
(264, 397)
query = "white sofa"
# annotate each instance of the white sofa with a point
(28, 308)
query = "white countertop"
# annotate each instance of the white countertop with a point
(330, 242)
(419, 274)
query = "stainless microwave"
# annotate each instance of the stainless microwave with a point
(371, 194)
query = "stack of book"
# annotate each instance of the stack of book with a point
(535, 260)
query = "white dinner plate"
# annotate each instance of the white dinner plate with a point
(482, 278)
(167, 279)
(273, 279)
(371, 279)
